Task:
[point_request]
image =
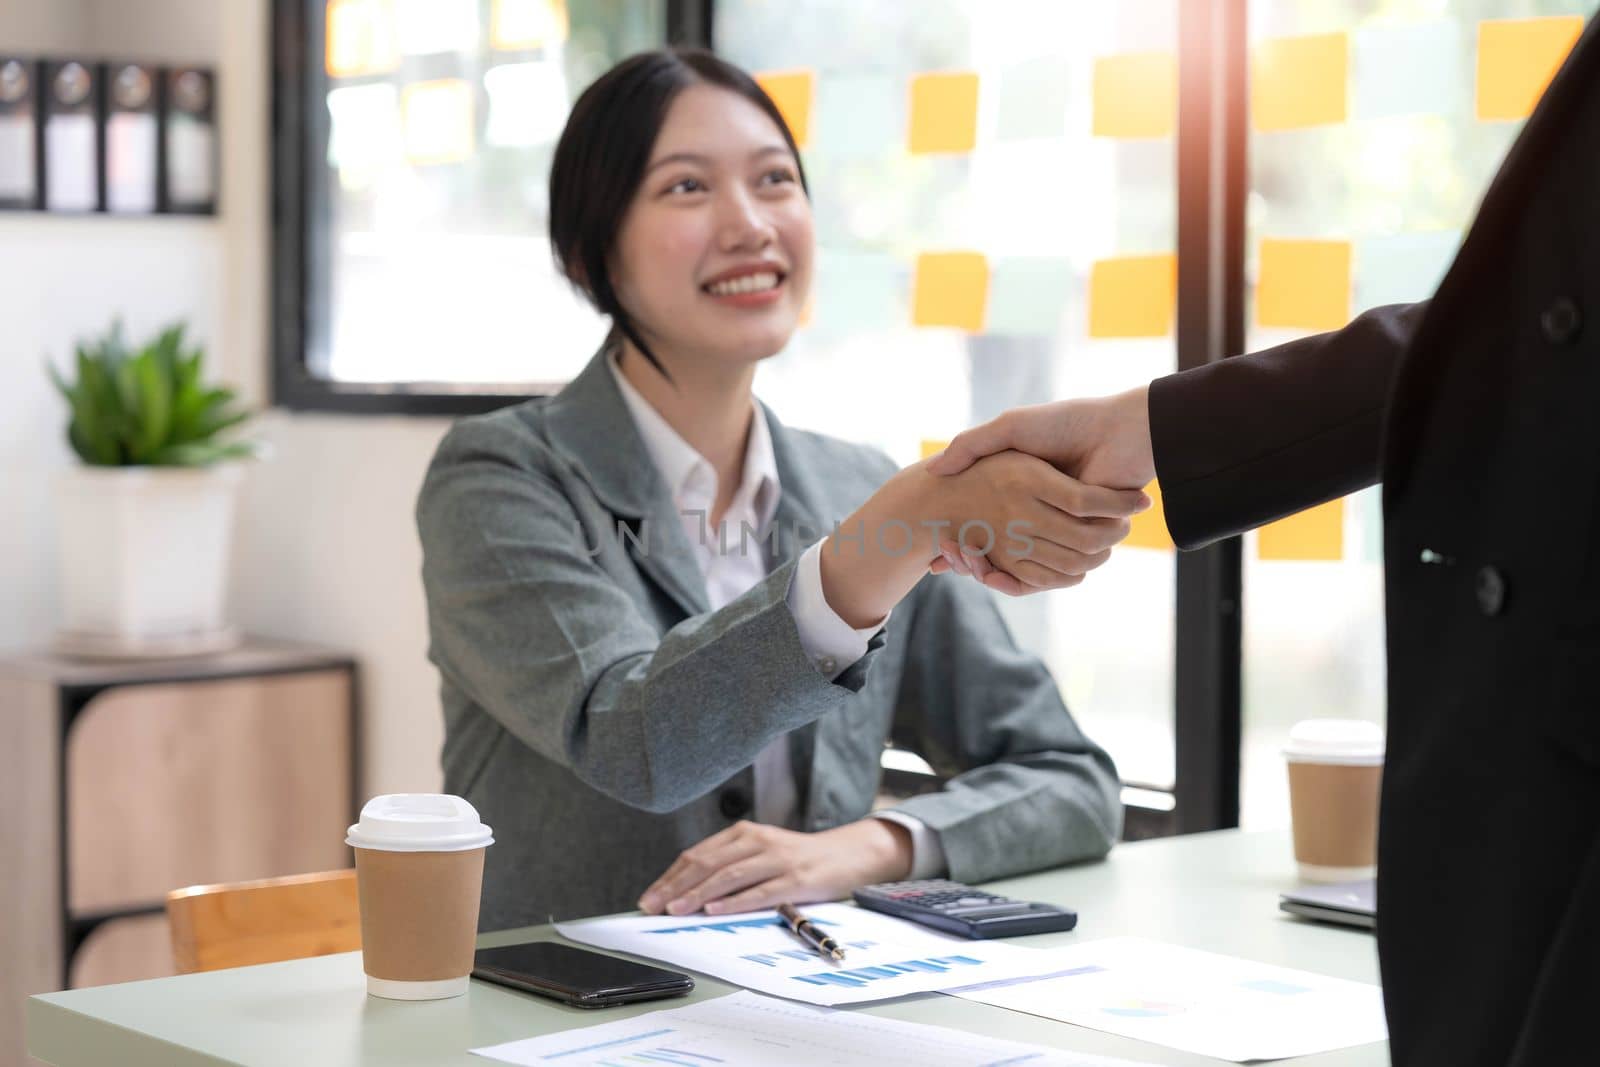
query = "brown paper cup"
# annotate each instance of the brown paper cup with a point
(1335, 776)
(419, 921)
(1334, 807)
(419, 874)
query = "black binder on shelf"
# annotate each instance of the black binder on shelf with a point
(132, 138)
(71, 173)
(189, 142)
(20, 187)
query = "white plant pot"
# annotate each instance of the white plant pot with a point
(144, 558)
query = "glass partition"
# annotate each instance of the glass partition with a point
(1375, 128)
(995, 200)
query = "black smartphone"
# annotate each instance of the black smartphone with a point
(576, 976)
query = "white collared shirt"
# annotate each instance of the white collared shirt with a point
(731, 560)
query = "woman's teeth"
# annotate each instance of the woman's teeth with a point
(750, 283)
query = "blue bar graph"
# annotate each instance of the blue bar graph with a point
(861, 976)
(607, 1044)
(733, 926)
(676, 1057)
(762, 958)
(771, 959)
(700, 1057)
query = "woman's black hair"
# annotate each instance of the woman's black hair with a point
(601, 159)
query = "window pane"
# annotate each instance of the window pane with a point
(429, 257)
(1375, 129)
(994, 189)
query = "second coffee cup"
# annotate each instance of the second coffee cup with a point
(419, 874)
(1335, 775)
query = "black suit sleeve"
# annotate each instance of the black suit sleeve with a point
(1250, 439)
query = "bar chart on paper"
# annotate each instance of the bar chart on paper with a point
(884, 957)
(747, 1028)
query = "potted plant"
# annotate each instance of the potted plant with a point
(146, 520)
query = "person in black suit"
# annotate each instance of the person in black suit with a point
(1479, 410)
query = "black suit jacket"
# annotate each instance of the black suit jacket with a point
(1480, 412)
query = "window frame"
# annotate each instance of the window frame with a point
(299, 234)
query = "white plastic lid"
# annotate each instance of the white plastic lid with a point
(1335, 741)
(419, 822)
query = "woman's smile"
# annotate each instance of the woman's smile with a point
(751, 286)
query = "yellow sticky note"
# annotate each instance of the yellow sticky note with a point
(359, 38)
(1135, 95)
(523, 24)
(1149, 528)
(1303, 285)
(438, 120)
(792, 91)
(1313, 534)
(1299, 81)
(932, 447)
(951, 289)
(944, 113)
(1133, 296)
(1516, 60)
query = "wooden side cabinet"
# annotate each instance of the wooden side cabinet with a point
(122, 781)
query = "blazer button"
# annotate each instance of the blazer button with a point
(1561, 322)
(734, 802)
(1491, 591)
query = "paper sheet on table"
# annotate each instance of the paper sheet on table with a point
(1196, 1001)
(884, 957)
(747, 1028)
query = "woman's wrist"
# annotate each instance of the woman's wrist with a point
(888, 846)
(880, 552)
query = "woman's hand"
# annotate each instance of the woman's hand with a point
(1038, 527)
(750, 866)
(1026, 519)
(1100, 441)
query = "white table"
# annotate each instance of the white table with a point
(1213, 891)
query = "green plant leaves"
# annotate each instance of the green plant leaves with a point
(148, 406)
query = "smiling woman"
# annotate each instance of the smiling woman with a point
(708, 169)
(621, 707)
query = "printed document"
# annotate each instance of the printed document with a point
(750, 1029)
(1199, 1002)
(884, 957)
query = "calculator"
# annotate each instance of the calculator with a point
(962, 910)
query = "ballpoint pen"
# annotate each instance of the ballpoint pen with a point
(807, 931)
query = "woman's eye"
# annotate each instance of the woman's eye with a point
(687, 185)
(776, 177)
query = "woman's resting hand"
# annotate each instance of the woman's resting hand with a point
(750, 866)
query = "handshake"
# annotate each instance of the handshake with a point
(1059, 481)
(1074, 468)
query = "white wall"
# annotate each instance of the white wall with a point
(61, 278)
(326, 549)
(327, 552)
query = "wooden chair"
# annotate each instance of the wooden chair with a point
(241, 923)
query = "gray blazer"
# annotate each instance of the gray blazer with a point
(602, 718)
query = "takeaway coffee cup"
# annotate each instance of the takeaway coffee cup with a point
(1335, 770)
(419, 872)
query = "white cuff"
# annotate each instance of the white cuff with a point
(927, 853)
(830, 642)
